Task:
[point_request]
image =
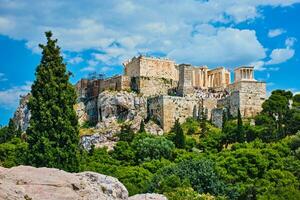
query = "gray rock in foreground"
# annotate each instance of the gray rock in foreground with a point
(24, 182)
(30, 183)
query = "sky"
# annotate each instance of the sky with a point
(97, 36)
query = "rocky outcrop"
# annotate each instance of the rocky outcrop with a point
(148, 197)
(31, 183)
(121, 106)
(81, 113)
(22, 114)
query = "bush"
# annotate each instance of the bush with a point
(147, 148)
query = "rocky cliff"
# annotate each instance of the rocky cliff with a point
(113, 109)
(29, 183)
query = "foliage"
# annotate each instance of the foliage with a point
(53, 135)
(200, 174)
(126, 133)
(12, 152)
(148, 148)
(179, 138)
(9, 132)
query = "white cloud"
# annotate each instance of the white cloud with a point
(2, 77)
(258, 65)
(230, 47)
(139, 26)
(280, 55)
(9, 98)
(92, 64)
(275, 32)
(75, 60)
(289, 42)
(6, 24)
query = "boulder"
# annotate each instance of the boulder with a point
(29, 183)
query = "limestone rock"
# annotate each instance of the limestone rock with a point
(148, 197)
(81, 113)
(24, 182)
(22, 115)
(153, 128)
(122, 106)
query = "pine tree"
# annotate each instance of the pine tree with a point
(142, 127)
(179, 138)
(53, 134)
(240, 128)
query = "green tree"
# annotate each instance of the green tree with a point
(240, 135)
(179, 138)
(148, 148)
(53, 135)
(126, 133)
(296, 101)
(142, 127)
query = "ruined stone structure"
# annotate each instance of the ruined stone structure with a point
(179, 91)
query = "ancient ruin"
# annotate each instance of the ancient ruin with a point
(174, 91)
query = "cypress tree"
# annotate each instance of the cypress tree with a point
(142, 127)
(240, 127)
(179, 138)
(53, 134)
(224, 119)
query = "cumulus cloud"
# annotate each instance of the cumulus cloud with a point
(275, 32)
(227, 47)
(122, 29)
(280, 55)
(9, 98)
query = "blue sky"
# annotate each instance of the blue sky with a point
(97, 36)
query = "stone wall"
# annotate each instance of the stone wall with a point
(185, 85)
(151, 67)
(166, 109)
(116, 83)
(248, 96)
(217, 117)
(151, 86)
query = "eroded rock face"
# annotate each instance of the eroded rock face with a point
(81, 113)
(121, 106)
(24, 182)
(22, 115)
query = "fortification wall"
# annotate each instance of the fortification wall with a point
(150, 86)
(117, 83)
(248, 96)
(151, 67)
(178, 108)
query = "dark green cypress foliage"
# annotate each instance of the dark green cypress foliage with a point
(240, 128)
(224, 119)
(142, 127)
(53, 134)
(179, 138)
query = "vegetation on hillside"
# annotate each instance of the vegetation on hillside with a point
(194, 161)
